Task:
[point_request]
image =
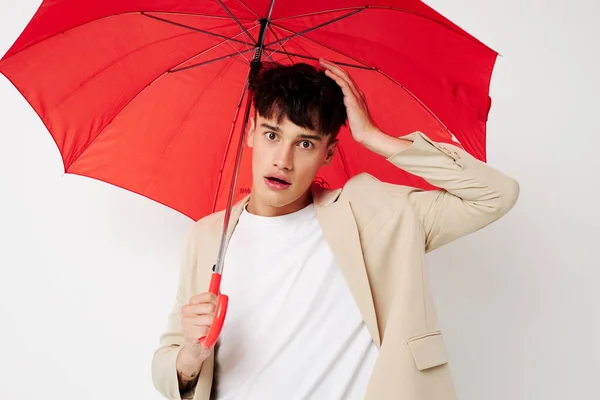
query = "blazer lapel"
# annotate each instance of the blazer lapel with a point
(340, 230)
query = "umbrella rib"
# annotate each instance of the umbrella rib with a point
(66, 168)
(266, 55)
(280, 44)
(403, 10)
(314, 28)
(269, 57)
(190, 14)
(370, 67)
(227, 39)
(119, 15)
(210, 61)
(319, 13)
(317, 59)
(206, 50)
(193, 29)
(247, 45)
(105, 67)
(175, 134)
(238, 50)
(416, 99)
(249, 9)
(237, 21)
(303, 49)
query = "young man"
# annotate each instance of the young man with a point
(329, 291)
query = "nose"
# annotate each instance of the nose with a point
(284, 158)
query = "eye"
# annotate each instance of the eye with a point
(271, 135)
(305, 144)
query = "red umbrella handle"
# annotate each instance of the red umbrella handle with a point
(222, 300)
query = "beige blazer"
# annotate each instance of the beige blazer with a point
(379, 234)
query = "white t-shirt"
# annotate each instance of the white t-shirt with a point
(293, 330)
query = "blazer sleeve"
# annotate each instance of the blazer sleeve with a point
(471, 193)
(164, 361)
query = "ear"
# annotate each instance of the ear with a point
(330, 152)
(251, 130)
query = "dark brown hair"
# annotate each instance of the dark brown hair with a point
(303, 94)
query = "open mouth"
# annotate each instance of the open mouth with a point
(277, 181)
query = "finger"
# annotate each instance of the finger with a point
(346, 89)
(198, 309)
(361, 93)
(341, 72)
(200, 337)
(344, 75)
(335, 68)
(198, 320)
(201, 331)
(351, 98)
(206, 297)
(196, 333)
(339, 80)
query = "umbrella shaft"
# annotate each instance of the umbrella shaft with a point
(219, 265)
(260, 44)
(255, 66)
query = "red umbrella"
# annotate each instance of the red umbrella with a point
(152, 96)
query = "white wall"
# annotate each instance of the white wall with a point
(517, 301)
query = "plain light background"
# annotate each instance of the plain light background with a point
(88, 271)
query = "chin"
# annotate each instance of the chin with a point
(276, 199)
(280, 200)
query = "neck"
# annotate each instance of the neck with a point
(256, 207)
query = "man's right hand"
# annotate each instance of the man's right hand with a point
(196, 320)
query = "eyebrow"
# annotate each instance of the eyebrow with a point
(313, 137)
(270, 127)
(301, 136)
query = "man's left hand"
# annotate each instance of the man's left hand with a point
(362, 127)
(359, 119)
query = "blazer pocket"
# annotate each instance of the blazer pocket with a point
(428, 350)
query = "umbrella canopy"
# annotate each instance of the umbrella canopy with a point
(146, 94)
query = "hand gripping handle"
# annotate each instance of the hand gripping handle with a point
(217, 325)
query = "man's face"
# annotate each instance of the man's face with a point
(285, 161)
